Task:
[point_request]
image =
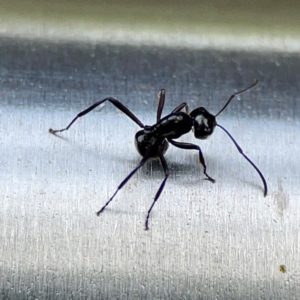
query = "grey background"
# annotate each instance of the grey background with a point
(259, 25)
(222, 240)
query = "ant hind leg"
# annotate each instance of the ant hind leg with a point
(114, 101)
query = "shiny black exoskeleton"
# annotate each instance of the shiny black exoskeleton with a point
(153, 141)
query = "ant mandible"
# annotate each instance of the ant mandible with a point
(153, 141)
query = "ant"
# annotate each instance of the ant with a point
(153, 141)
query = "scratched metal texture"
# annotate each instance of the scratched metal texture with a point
(221, 241)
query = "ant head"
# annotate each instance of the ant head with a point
(204, 123)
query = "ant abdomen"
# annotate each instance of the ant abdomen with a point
(143, 140)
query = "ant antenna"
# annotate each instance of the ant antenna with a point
(237, 93)
(248, 159)
(236, 144)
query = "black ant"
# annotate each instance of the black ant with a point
(153, 141)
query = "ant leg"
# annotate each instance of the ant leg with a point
(182, 106)
(166, 170)
(115, 102)
(123, 183)
(188, 146)
(161, 103)
(143, 161)
(248, 159)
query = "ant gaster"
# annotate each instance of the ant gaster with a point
(153, 141)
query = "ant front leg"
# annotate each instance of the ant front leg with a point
(115, 102)
(188, 146)
(180, 107)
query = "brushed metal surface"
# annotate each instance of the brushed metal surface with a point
(222, 240)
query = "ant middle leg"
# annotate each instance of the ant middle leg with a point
(188, 146)
(115, 102)
(166, 171)
(161, 102)
(143, 161)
